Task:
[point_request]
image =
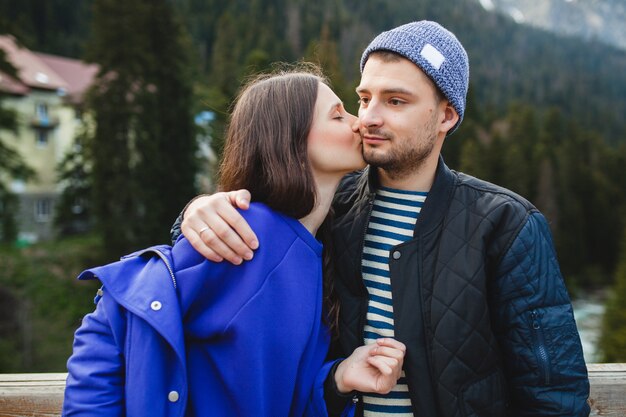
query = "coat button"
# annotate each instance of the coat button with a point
(396, 254)
(172, 396)
(156, 305)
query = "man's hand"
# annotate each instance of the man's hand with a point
(372, 368)
(215, 228)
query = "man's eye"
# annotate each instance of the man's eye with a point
(395, 102)
(363, 100)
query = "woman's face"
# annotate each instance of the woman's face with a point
(333, 146)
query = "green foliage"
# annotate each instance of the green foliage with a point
(325, 53)
(5, 66)
(613, 337)
(11, 163)
(144, 143)
(590, 204)
(54, 26)
(8, 225)
(471, 158)
(571, 175)
(41, 302)
(73, 211)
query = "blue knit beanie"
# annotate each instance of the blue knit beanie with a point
(436, 51)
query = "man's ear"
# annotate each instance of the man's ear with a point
(450, 117)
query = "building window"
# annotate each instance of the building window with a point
(42, 118)
(43, 210)
(42, 137)
(41, 111)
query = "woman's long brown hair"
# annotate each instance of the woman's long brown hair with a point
(265, 152)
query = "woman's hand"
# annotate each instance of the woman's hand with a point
(215, 228)
(372, 368)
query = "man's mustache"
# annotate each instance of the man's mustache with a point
(375, 132)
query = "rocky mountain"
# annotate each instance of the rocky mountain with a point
(602, 20)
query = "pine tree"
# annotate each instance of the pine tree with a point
(520, 174)
(226, 56)
(144, 144)
(11, 164)
(472, 160)
(325, 53)
(73, 212)
(551, 136)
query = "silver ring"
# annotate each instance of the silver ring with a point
(204, 229)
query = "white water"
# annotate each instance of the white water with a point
(588, 311)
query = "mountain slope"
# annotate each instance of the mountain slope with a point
(601, 20)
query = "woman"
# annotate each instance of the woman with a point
(174, 334)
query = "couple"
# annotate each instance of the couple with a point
(461, 272)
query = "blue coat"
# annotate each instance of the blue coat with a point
(174, 334)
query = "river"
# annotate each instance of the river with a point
(588, 311)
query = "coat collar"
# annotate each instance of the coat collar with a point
(142, 284)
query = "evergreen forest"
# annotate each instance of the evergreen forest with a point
(545, 118)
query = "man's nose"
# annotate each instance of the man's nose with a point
(370, 116)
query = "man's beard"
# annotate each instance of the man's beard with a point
(406, 156)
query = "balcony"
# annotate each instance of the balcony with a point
(44, 122)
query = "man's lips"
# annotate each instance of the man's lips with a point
(373, 139)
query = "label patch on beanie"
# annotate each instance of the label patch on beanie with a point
(432, 55)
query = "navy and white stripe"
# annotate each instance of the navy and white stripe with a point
(392, 222)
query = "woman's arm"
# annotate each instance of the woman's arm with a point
(95, 382)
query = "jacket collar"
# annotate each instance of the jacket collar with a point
(438, 199)
(139, 280)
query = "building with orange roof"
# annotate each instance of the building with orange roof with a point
(47, 95)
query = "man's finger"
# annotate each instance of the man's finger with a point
(204, 250)
(205, 241)
(220, 228)
(239, 198)
(234, 231)
(215, 243)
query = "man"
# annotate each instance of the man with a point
(461, 271)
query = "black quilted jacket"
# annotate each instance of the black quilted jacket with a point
(478, 299)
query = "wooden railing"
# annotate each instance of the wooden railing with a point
(31, 394)
(42, 394)
(608, 389)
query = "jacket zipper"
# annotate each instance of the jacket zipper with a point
(100, 291)
(163, 258)
(167, 265)
(541, 350)
(427, 339)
